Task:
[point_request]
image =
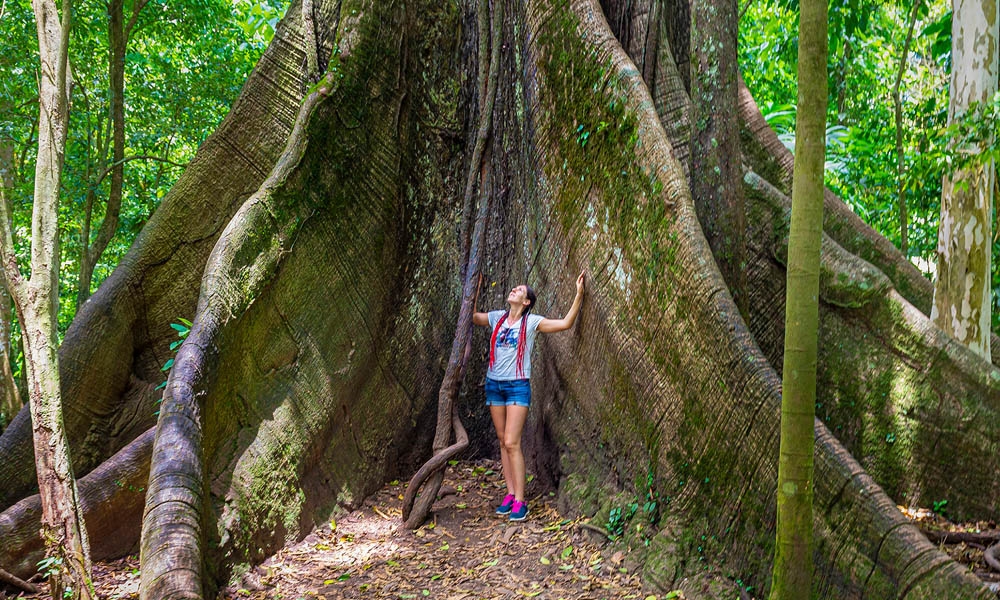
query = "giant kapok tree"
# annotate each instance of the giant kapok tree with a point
(317, 242)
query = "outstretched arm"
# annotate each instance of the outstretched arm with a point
(553, 325)
(479, 318)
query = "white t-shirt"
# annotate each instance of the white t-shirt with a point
(505, 356)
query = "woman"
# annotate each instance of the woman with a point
(508, 390)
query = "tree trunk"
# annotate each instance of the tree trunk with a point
(36, 299)
(897, 105)
(90, 254)
(326, 311)
(793, 557)
(448, 420)
(716, 178)
(962, 298)
(62, 517)
(10, 396)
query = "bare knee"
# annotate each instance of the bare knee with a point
(511, 444)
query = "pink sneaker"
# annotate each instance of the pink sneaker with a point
(506, 506)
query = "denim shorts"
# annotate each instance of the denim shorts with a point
(515, 392)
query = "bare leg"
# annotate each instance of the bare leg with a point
(499, 415)
(516, 416)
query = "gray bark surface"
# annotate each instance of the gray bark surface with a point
(325, 311)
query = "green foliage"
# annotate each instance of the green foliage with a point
(183, 329)
(52, 566)
(619, 518)
(971, 140)
(185, 63)
(866, 44)
(861, 155)
(939, 507)
(49, 566)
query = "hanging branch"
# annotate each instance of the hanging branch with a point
(448, 421)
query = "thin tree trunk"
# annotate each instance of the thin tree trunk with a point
(841, 80)
(715, 178)
(10, 396)
(962, 291)
(898, 111)
(793, 556)
(36, 300)
(91, 253)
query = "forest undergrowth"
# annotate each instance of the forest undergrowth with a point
(466, 552)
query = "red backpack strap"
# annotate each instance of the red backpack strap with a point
(522, 342)
(493, 339)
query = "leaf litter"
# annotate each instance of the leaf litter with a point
(463, 552)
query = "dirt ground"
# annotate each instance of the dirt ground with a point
(464, 552)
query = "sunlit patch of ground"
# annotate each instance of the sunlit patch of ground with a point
(464, 552)
(969, 552)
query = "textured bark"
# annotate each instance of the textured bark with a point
(320, 335)
(716, 170)
(769, 158)
(448, 420)
(309, 31)
(36, 301)
(10, 396)
(962, 298)
(254, 271)
(793, 556)
(111, 501)
(113, 351)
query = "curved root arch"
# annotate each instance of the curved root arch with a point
(244, 261)
(721, 386)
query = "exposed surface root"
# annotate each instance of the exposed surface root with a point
(17, 582)
(415, 512)
(465, 551)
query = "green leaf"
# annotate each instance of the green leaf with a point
(567, 552)
(166, 366)
(545, 560)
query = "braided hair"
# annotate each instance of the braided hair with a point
(522, 340)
